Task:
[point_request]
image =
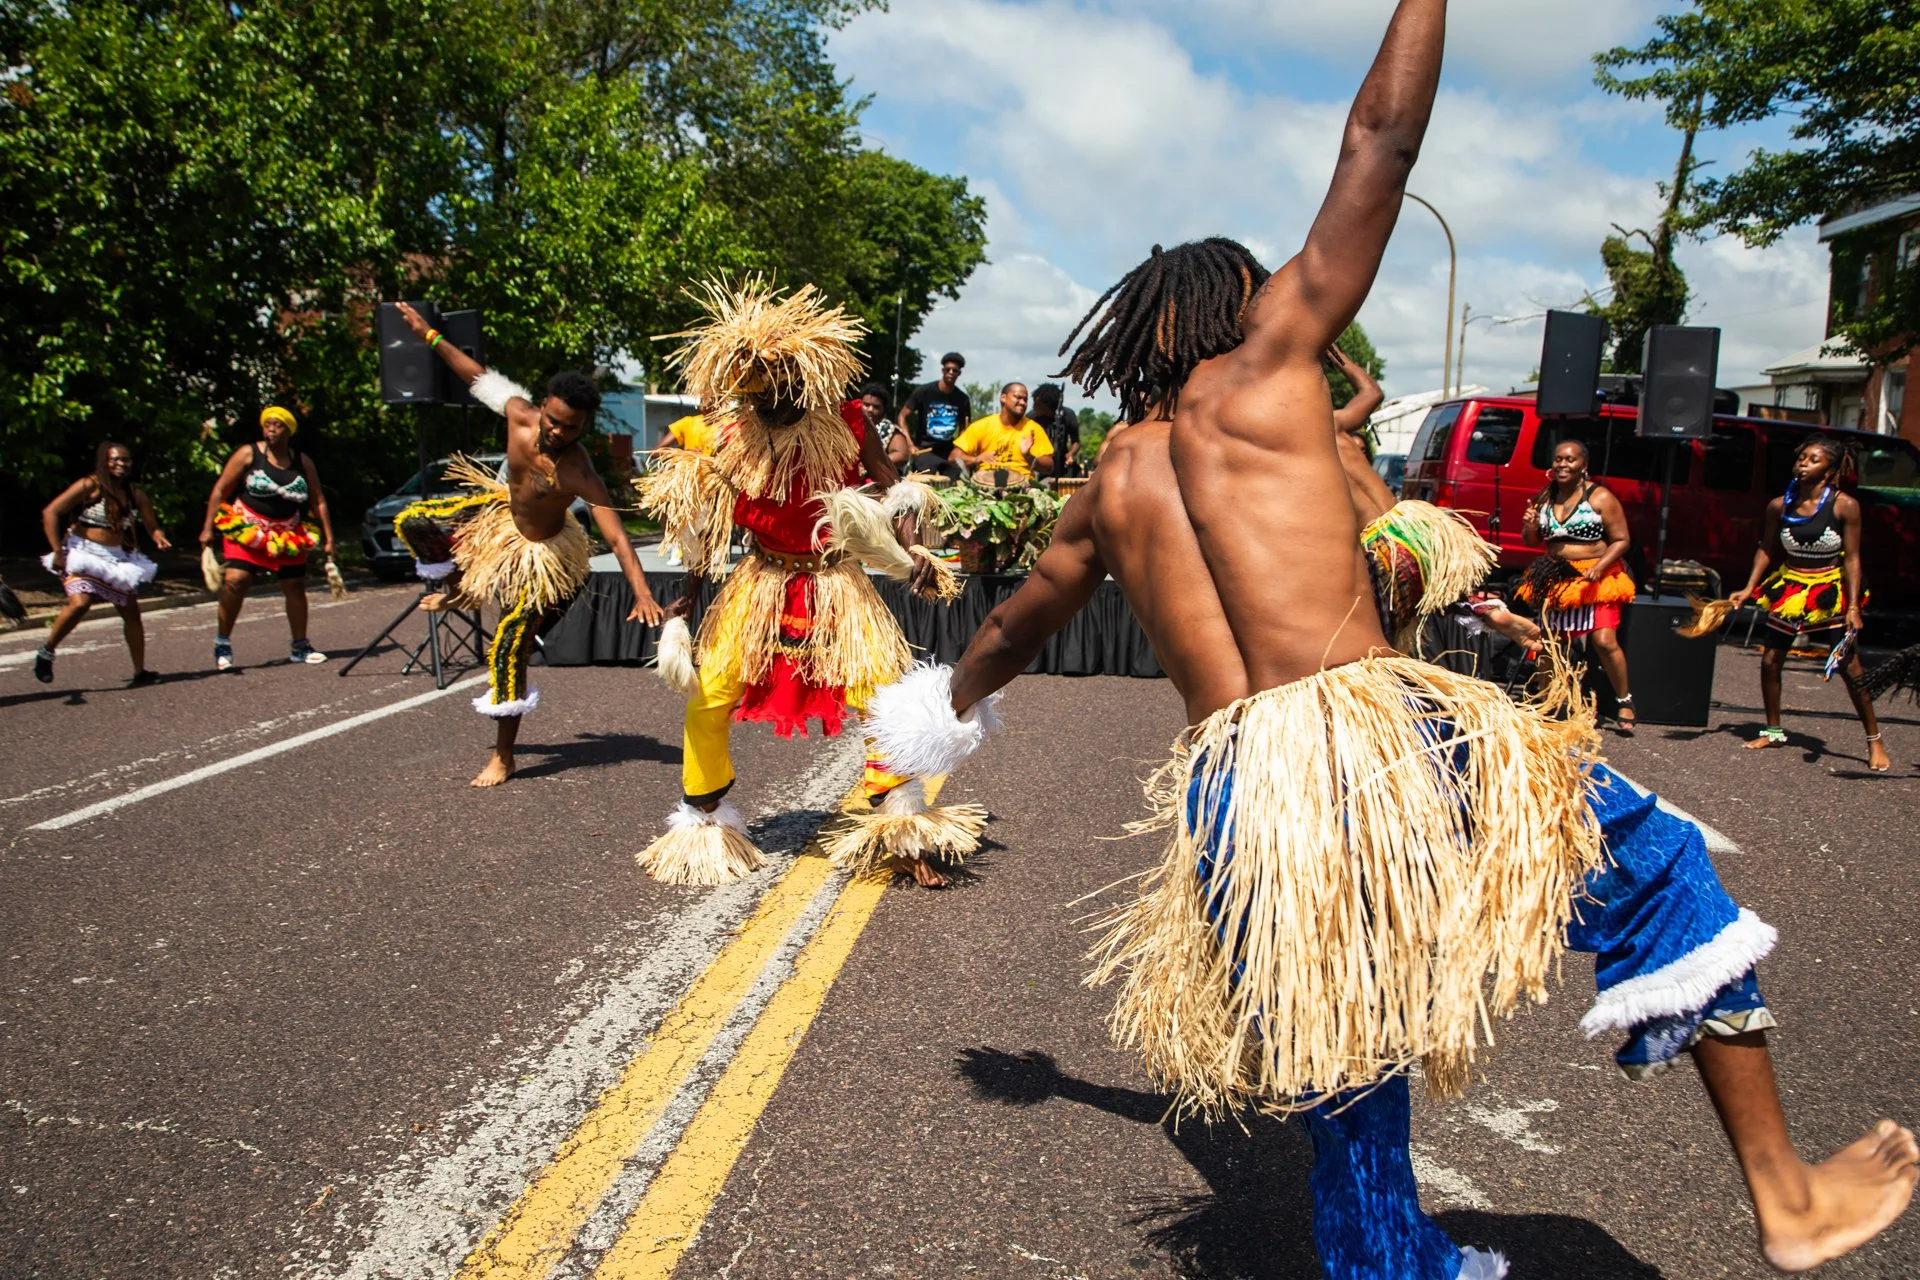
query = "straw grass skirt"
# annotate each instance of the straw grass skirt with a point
(1367, 866)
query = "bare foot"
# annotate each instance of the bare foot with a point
(923, 872)
(498, 770)
(1776, 738)
(1877, 758)
(440, 602)
(1848, 1199)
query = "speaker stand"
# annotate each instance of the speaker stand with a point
(1666, 508)
(451, 633)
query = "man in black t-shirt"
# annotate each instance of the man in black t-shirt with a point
(938, 411)
(1062, 427)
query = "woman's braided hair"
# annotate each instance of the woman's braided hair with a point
(1147, 333)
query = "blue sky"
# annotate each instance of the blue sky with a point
(1096, 127)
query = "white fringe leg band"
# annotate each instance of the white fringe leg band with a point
(1479, 1264)
(485, 705)
(913, 725)
(701, 848)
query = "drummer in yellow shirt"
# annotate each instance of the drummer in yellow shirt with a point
(1008, 438)
(691, 433)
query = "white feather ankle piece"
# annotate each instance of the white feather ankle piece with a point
(673, 658)
(1478, 1264)
(913, 724)
(495, 389)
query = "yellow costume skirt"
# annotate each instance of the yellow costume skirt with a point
(1367, 866)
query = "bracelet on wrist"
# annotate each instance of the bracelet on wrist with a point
(434, 338)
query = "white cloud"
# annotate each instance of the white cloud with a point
(1525, 41)
(1103, 136)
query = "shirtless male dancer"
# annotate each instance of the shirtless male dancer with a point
(516, 543)
(1227, 519)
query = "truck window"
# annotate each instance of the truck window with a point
(1618, 452)
(1730, 454)
(1888, 464)
(1430, 444)
(1783, 446)
(1495, 432)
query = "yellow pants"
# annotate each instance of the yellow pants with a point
(706, 758)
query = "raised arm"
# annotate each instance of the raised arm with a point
(1371, 496)
(1317, 294)
(489, 388)
(1062, 582)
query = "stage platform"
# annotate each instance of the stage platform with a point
(1104, 639)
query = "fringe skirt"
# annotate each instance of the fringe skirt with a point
(806, 645)
(1798, 601)
(1367, 866)
(115, 574)
(1569, 605)
(260, 542)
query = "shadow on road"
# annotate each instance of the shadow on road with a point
(78, 696)
(1256, 1218)
(593, 751)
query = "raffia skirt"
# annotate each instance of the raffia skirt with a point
(1366, 867)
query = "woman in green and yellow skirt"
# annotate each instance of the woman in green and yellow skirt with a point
(1809, 585)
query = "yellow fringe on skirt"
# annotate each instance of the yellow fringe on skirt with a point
(853, 642)
(1405, 847)
(498, 562)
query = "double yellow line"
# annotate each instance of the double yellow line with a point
(540, 1228)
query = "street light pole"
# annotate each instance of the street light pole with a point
(899, 311)
(1460, 369)
(1453, 273)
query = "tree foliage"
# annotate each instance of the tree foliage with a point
(202, 204)
(1359, 348)
(1848, 74)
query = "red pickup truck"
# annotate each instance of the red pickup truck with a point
(1483, 454)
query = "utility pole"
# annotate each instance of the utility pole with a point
(1453, 275)
(899, 314)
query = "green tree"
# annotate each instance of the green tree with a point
(1359, 348)
(201, 204)
(1848, 74)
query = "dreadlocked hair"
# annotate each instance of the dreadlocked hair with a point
(1840, 461)
(1147, 333)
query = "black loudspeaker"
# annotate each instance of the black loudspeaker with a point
(462, 329)
(1671, 675)
(1570, 364)
(409, 372)
(1676, 400)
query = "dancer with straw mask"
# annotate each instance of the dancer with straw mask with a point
(798, 632)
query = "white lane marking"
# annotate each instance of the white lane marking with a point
(1450, 1185)
(1515, 1123)
(1716, 842)
(108, 779)
(428, 1212)
(102, 807)
(24, 658)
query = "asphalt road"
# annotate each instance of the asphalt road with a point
(329, 1012)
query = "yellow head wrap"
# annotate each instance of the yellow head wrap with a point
(274, 413)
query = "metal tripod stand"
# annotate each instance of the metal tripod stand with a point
(450, 634)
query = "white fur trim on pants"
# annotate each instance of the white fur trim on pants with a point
(439, 572)
(686, 817)
(122, 570)
(1478, 1264)
(1684, 985)
(673, 658)
(912, 723)
(495, 389)
(501, 710)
